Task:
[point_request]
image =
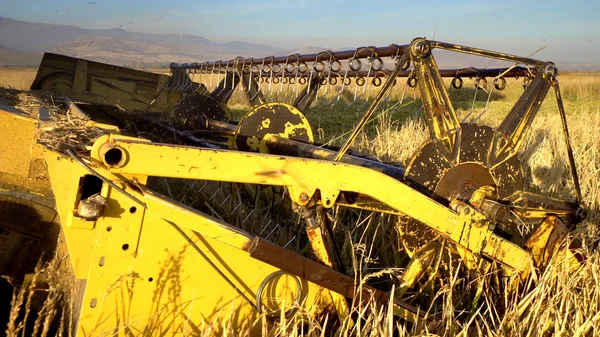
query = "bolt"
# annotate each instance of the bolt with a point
(421, 48)
(581, 213)
(92, 207)
(303, 197)
(550, 70)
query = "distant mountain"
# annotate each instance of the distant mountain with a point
(18, 58)
(304, 50)
(123, 52)
(119, 46)
(250, 47)
(22, 44)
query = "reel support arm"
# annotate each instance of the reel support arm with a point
(308, 94)
(443, 124)
(249, 83)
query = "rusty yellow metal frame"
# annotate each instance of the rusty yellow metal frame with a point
(145, 243)
(131, 249)
(164, 160)
(142, 277)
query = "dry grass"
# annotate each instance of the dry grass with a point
(17, 78)
(553, 301)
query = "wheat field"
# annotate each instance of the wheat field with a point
(553, 302)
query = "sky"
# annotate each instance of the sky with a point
(570, 30)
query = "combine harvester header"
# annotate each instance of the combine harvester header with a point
(147, 263)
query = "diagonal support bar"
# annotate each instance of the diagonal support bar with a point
(517, 123)
(563, 118)
(386, 86)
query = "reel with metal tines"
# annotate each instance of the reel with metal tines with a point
(362, 66)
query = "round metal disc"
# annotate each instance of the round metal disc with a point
(443, 179)
(279, 119)
(61, 83)
(428, 167)
(461, 175)
(194, 109)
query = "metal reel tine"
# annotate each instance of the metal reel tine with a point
(202, 187)
(224, 79)
(224, 201)
(288, 243)
(175, 80)
(192, 79)
(210, 79)
(476, 120)
(271, 232)
(281, 83)
(260, 71)
(342, 86)
(270, 87)
(472, 105)
(188, 81)
(170, 84)
(219, 74)
(214, 194)
(368, 77)
(250, 76)
(385, 100)
(356, 79)
(247, 216)
(181, 81)
(264, 228)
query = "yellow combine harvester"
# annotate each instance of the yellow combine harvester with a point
(146, 264)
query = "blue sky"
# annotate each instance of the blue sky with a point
(570, 29)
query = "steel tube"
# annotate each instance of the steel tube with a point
(485, 53)
(391, 50)
(453, 72)
(288, 147)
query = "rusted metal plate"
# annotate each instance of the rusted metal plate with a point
(445, 180)
(464, 174)
(427, 167)
(508, 177)
(476, 142)
(99, 83)
(431, 170)
(279, 119)
(319, 274)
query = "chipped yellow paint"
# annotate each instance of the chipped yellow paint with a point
(266, 123)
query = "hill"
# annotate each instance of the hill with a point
(18, 58)
(117, 46)
(24, 42)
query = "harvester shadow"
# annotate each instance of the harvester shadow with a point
(28, 231)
